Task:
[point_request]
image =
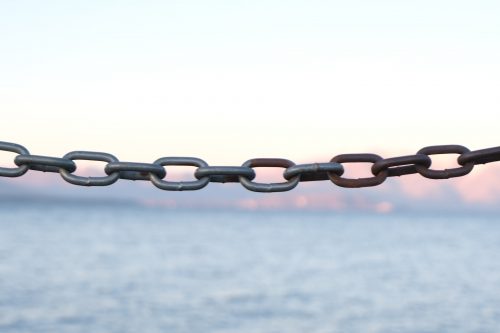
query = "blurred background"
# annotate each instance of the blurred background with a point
(227, 81)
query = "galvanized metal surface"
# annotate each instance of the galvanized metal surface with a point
(157, 172)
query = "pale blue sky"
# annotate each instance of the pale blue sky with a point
(231, 80)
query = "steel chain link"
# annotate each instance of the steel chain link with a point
(156, 172)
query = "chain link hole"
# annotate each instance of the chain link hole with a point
(269, 174)
(88, 168)
(444, 161)
(179, 173)
(7, 159)
(356, 170)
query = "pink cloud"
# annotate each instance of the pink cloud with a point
(482, 185)
(418, 187)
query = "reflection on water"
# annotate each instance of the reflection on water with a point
(86, 268)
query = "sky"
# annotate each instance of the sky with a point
(231, 80)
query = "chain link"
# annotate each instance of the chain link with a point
(45, 163)
(224, 174)
(182, 185)
(269, 187)
(204, 174)
(313, 171)
(135, 171)
(15, 148)
(446, 173)
(90, 181)
(401, 165)
(377, 179)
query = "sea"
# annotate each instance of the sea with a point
(101, 268)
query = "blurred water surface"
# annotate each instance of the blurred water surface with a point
(117, 268)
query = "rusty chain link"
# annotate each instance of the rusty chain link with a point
(156, 172)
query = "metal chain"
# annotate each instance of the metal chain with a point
(156, 172)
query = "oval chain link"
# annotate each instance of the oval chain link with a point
(269, 187)
(90, 181)
(14, 148)
(224, 174)
(313, 171)
(481, 156)
(377, 179)
(446, 173)
(45, 163)
(134, 170)
(402, 165)
(181, 185)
